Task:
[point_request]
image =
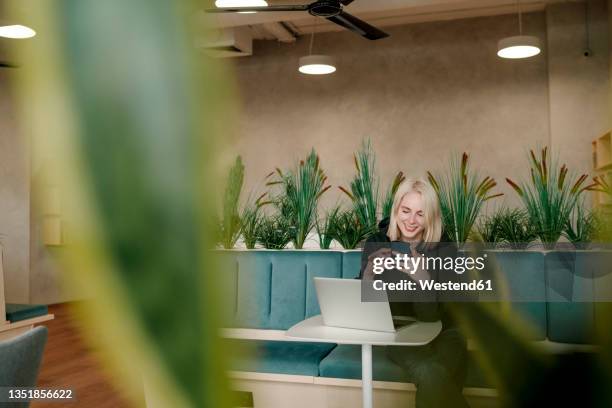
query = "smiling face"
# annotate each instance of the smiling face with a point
(411, 217)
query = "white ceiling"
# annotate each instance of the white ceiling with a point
(380, 13)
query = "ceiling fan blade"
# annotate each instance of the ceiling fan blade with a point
(358, 26)
(4, 64)
(346, 2)
(295, 7)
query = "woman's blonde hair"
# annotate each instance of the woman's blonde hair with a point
(433, 220)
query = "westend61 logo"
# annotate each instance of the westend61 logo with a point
(411, 264)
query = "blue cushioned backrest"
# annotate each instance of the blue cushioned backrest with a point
(569, 291)
(253, 297)
(602, 285)
(21, 357)
(268, 289)
(227, 262)
(293, 293)
(275, 289)
(351, 264)
(525, 276)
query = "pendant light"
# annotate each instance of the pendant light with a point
(16, 31)
(241, 3)
(519, 46)
(316, 64)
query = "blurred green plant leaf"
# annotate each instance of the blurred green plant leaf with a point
(129, 118)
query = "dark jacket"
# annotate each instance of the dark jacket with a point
(423, 311)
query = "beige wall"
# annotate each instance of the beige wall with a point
(14, 198)
(579, 86)
(428, 90)
(46, 284)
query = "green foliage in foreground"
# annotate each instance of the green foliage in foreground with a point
(129, 117)
(141, 243)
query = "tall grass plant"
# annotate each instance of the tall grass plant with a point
(230, 222)
(301, 190)
(462, 194)
(550, 196)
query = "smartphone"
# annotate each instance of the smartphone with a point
(400, 247)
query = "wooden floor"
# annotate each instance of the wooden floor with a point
(69, 363)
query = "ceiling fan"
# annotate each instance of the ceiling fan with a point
(329, 9)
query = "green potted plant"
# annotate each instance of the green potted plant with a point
(507, 227)
(582, 227)
(487, 229)
(301, 190)
(230, 223)
(347, 229)
(550, 196)
(274, 232)
(462, 194)
(363, 190)
(387, 203)
(325, 227)
(251, 219)
(603, 184)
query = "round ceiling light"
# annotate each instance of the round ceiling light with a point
(241, 3)
(16, 31)
(520, 46)
(317, 65)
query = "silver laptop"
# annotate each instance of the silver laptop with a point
(341, 306)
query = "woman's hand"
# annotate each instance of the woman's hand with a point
(368, 273)
(380, 253)
(420, 273)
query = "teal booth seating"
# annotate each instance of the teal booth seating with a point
(273, 290)
(17, 312)
(281, 357)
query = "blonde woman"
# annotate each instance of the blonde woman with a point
(437, 369)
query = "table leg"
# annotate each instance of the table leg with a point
(366, 374)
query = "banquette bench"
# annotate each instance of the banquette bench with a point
(268, 291)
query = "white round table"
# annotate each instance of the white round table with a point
(414, 334)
